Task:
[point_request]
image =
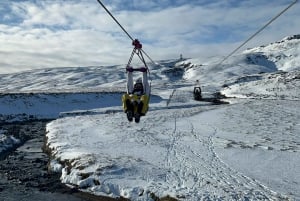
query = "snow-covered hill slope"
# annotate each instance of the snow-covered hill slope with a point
(281, 84)
(285, 54)
(80, 79)
(270, 71)
(278, 56)
(190, 150)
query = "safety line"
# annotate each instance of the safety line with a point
(114, 19)
(124, 29)
(272, 20)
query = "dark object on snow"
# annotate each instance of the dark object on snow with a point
(197, 93)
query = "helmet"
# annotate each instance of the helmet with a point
(138, 85)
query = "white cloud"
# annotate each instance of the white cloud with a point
(79, 33)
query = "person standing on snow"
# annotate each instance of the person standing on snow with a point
(197, 91)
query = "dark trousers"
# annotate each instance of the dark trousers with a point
(130, 106)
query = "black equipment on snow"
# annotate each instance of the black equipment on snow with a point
(197, 91)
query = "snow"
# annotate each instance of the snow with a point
(282, 85)
(16, 107)
(267, 146)
(284, 53)
(186, 149)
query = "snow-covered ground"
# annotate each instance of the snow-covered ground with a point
(189, 150)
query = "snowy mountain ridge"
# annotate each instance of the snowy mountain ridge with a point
(285, 53)
(283, 83)
(282, 55)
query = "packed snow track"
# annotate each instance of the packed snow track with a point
(170, 153)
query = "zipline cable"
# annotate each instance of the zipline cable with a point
(124, 29)
(251, 37)
(114, 19)
(149, 57)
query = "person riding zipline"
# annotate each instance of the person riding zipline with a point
(136, 100)
(135, 105)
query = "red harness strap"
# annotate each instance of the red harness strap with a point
(136, 43)
(137, 50)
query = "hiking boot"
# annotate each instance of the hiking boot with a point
(129, 115)
(137, 117)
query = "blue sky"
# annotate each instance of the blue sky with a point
(58, 33)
